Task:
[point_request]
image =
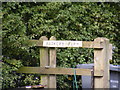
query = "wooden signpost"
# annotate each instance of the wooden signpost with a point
(48, 69)
(62, 43)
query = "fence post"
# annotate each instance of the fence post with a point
(101, 62)
(52, 63)
(44, 62)
(110, 52)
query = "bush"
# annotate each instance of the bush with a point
(65, 21)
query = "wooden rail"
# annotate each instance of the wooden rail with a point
(58, 71)
(61, 44)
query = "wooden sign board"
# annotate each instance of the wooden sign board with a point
(62, 43)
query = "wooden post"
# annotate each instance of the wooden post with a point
(101, 62)
(44, 62)
(110, 51)
(52, 63)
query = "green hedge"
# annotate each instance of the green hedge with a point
(64, 20)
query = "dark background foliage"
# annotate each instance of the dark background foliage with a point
(81, 21)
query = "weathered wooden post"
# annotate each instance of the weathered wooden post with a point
(110, 52)
(52, 63)
(44, 62)
(101, 62)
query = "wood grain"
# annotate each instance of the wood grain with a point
(58, 71)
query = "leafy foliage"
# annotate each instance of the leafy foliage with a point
(65, 21)
(8, 71)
